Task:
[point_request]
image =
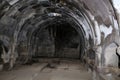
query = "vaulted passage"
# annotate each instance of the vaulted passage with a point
(58, 39)
(80, 30)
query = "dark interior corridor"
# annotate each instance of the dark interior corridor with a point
(58, 40)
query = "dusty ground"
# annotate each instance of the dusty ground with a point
(63, 70)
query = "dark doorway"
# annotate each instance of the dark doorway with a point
(58, 40)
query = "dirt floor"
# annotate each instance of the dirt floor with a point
(52, 70)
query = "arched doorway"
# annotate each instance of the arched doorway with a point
(58, 40)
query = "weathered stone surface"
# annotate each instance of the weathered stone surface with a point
(82, 25)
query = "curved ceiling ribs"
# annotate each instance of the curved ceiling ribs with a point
(94, 20)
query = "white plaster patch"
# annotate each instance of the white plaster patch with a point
(11, 2)
(111, 58)
(98, 33)
(116, 24)
(116, 4)
(106, 30)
